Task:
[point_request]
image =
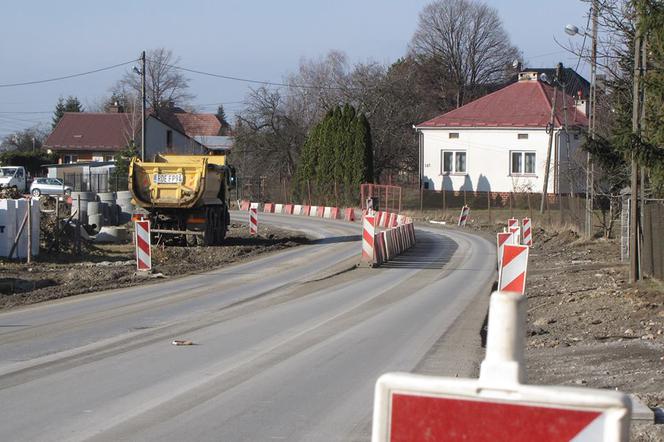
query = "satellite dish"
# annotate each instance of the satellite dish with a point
(515, 64)
(544, 78)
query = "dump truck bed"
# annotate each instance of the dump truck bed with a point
(177, 181)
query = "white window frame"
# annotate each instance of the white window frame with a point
(522, 154)
(454, 153)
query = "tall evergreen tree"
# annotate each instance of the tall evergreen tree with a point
(337, 156)
(71, 104)
(221, 116)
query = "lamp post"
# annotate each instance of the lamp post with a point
(572, 31)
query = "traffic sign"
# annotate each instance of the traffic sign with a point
(410, 408)
(498, 406)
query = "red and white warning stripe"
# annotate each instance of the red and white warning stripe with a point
(516, 234)
(502, 239)
(527, 232)
(463, 216)
(512, 222)
(368, 232)
(513, 268)
(253, 221)
(143, 247)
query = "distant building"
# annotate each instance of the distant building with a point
(98, 137)
(498, 143)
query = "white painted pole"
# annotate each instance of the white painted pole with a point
(504, 347)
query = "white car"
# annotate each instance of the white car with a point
(49, 186)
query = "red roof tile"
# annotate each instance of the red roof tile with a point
(199, 124)
(86, 131)
(521, 104)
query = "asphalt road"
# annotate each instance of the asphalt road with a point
(287, 347)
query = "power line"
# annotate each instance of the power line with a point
(248, 80)
(66, 77)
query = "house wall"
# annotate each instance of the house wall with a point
(156, 134)
(488, 159)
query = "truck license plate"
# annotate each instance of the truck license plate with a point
(167, 178)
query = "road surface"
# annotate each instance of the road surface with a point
(287, 347)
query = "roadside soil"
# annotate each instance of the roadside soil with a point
(109, 266)
(587, 326)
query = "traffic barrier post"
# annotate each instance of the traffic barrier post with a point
(527, 232)
(253, 222)
(502, 238)
(513, 269)
(143, 245)
(463, 216)
(368, 234)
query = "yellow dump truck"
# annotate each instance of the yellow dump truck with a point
(184, 195)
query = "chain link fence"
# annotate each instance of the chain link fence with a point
(96, 182)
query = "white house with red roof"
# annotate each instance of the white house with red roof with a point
(498, 143)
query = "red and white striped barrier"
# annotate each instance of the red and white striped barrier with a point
(391, 242)
(368, 239)
(278, 208)
(463, 216)
(331, 213)
(288, 209)
(502, 238)
(514, 227)
(527, 232)
(255, 206)
(143, 245)
(320, 211)
(268, 207)
(513, 269)
(349, 214)
(297, 209)
(244, 205)
(305, 210)
(313, 211)
(253, 221)
(516, 234)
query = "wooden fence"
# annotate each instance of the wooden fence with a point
(652, 252)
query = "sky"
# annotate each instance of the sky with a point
(260, 40)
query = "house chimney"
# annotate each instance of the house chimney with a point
(581, 103)
(115, 108)
(527, 76)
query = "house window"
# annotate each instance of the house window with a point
(453, 161)
(68, 159)
(522, 136)
(522, 163)
(454, 135)
(169, 139)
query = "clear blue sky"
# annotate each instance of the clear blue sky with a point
(261, 40)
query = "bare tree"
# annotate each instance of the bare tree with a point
(164, 83)
(464, 41)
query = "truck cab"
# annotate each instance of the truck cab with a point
(13, 176)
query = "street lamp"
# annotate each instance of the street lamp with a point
(573, 30)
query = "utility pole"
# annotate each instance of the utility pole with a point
(590, 167)
(634, 182)
(143, 106)
(551, 127)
